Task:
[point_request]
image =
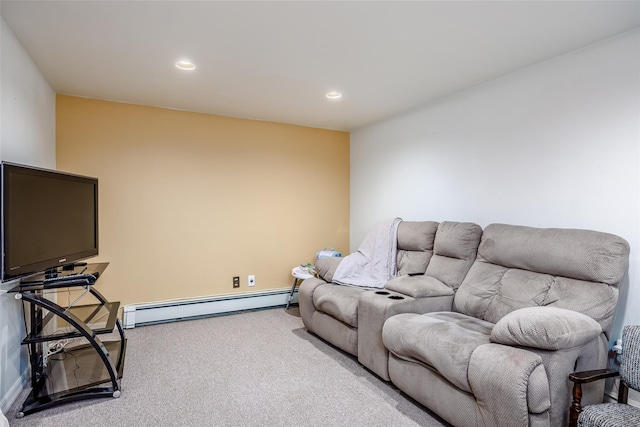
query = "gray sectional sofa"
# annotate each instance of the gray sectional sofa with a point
(482, 327)
(432, 260)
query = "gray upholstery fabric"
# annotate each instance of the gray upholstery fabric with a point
(520, 274)
(442, 340)
(510, 256)
(454, 251)
(415, 246)
(305, 300)
(375, 308)
(580, 254)
(547, 328)
(413, 262)
(559, 364)
(419, 286)
(334, 331)
(593, 299)
(538, 397)
(457, 240)
(480, 287)
(445, 359)
(456, 248)
(331, 311)
(512, 295)
(340, 302)
(417, 235)
(325, 267)
(443, 252)
(496, 371)
(428, 387)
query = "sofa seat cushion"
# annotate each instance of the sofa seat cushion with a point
(442, 340)
(339, 302)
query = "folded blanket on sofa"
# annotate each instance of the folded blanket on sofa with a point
(374, 264)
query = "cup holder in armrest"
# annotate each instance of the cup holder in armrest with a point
(382, 292)
(395, 297)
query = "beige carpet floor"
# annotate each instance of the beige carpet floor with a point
(259, 368)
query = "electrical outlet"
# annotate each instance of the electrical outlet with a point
(236, 281)
(251, 280)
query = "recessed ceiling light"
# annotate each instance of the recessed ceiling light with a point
(334, 95)
(185, 65)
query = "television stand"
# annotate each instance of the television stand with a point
(79, 365)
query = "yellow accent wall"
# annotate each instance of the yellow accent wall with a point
(189, 200)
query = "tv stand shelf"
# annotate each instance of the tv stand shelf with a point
(80, 365)
(86, 313)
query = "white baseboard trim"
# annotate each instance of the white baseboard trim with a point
(183, 309)
(15, 390)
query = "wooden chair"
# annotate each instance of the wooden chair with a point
(610, 414)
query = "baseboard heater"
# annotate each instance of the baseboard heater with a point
(187, 309)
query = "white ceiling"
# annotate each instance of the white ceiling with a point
(276, 60)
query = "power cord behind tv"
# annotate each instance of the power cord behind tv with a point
(57, 346)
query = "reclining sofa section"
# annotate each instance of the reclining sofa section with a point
(486, 338)
(432, 261)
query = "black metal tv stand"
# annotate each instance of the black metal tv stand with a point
(79, 365)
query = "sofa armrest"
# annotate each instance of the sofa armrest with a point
(499, 374)
(419, 286)
(305, 299)
(546, 328)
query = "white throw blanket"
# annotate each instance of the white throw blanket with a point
(374, 264)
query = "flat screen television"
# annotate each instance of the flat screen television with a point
(49, 220)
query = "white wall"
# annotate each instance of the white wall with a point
(553, 145)
(27, 136)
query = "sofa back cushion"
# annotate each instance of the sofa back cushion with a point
(454, 251)
(415, 246)
(518, 267)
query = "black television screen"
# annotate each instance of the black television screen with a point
(49, 219)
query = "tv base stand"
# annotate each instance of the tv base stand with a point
(79, 365)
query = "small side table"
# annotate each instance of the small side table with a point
(297, 275)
